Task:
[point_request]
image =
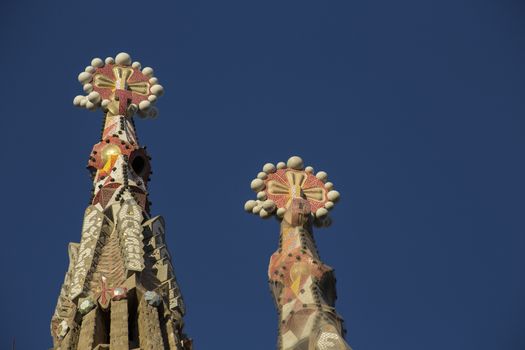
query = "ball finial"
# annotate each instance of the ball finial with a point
(295, 162)
(123, 59)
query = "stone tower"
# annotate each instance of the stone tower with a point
(120, 290)
(303, 287)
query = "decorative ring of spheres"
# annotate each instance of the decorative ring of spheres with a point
(276, 186)
(119, 86)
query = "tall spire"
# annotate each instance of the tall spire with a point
(120, 290)
(302, 285)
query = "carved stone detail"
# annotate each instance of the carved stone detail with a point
(91, 229)
(129, 226)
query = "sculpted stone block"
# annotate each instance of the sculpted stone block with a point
(92, 330)
(149, 327)
(119, 324)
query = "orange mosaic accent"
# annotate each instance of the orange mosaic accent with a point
(97, 160)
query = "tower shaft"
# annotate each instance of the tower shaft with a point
(120, 290)
(303, 287)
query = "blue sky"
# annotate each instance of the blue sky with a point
(414, 108)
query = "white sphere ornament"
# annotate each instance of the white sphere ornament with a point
(295, 162)
(263, 213)
(257, 185)
(329, 186)
(262, 175)
(144, 105)
(97, 62)
(329, 205)
(90, 69)
(123, 58)
(84, 77)
(157, 90)
(261, 195)
(105, 103)
(109, 60)
(87, 88)
(152, 98)
(94, 97)
(268, 205)
(256, 209)
(281, 165)
(322, 176)
(148, 71)
(77, 100)
(280, 212)
(90, 105)
(269, 168)
(333, 196)
(321, 212)
(136, 65)
(249, 205)
(153, 81)
(83, 101)
(309, 169)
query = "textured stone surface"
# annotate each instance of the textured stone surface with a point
(63, 328)
(91, 330)
(119, 324)
(174, 340)
(149, 327)
(71, 339)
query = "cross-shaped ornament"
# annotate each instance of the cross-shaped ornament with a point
(123, 97)
(126, 85)
(107, 294)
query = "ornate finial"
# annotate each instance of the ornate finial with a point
(278, 186)
(122, 251)
(303, 286)
(119, 87)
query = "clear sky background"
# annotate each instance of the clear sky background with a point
(415, 108)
